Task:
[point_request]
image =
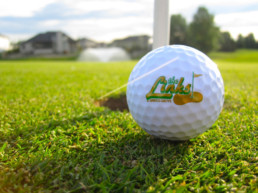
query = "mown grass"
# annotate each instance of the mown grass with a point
(241, 55)
(54, 139)
(45, 59)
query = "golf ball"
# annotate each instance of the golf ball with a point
(175, 92)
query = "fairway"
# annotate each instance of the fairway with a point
(53, 138)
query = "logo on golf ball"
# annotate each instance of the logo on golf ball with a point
(172, 86)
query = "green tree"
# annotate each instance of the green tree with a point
(249, 41)
(240, 41)
(226, 43)
(178, 29)
(203, 33)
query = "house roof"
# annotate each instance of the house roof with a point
(46, 37)
(86, 40)
(131, 38)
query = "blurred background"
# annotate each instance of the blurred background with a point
(105, 30)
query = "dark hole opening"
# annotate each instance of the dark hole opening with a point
(115, 103)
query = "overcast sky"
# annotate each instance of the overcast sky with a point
(104, 20)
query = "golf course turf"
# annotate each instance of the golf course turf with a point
(54, 138)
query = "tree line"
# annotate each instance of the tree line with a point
(203, 34)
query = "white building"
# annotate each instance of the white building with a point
(4, 43)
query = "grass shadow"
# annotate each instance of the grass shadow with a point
(86, 156)
(133, 161)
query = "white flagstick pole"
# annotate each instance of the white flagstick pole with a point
(161, 23)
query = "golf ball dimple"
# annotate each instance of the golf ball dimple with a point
(175, 92)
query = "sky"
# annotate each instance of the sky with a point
(105, 20)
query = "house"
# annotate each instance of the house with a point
(4, 43)
(48, 43)
(136, 46)
(84, 43)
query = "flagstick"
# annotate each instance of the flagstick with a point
(161, 23)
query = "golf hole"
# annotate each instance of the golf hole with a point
(114, 103)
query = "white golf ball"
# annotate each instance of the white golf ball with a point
(175, 92)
